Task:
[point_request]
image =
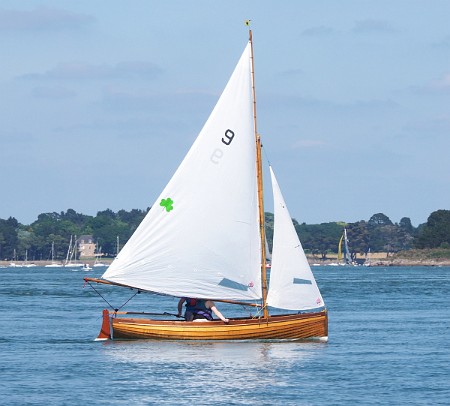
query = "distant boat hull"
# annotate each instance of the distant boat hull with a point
(280, 327)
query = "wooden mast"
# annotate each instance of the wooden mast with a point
(259, 175)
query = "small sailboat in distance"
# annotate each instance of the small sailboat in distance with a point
(72, 255)
(53, 264)
(27, 264)
(219, 185)
(346, 255)
(98, 255)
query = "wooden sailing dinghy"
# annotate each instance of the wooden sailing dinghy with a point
(204, 238)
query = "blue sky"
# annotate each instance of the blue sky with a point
(100, 101)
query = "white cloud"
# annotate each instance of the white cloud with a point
(83, 71)
(53, 92)
(443, 83)
(42, 18)
(439, 85)
(369, 26)
(443, 43)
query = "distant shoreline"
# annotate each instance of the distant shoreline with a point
(90, 262)
(431, 257)
(375, 262)
(390, 262)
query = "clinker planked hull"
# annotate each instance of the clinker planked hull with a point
(280, 327)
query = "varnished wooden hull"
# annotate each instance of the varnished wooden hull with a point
(284, 327)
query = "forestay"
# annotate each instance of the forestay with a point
(200, 238)
(292, 284)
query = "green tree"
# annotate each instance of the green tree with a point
(406, 225)
(380, 219)
(268, 219)
(28, 245)
(8, 237)
(108, 226)
(436, 231)
(319, 238)
(359, 238)
(57, 228)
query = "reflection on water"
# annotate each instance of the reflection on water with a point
(206, 352)
(211, 372)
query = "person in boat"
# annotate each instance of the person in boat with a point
(199, 309)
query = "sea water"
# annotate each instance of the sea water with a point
(388, 345)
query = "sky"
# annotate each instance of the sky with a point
(100, 101)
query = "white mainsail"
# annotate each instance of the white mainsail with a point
(292, 284)
(201, 237)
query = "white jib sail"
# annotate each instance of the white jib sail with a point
(292, 284)
(200, 238)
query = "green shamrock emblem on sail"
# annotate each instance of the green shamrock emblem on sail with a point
(167, 203)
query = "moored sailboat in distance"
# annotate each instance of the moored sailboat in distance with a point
(219, 185)
(345, 255)
(368, 262)
(27, 264)
(53, 264)
(98, 263)
(13, 263)
(71, 258)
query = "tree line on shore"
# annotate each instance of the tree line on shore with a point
(378, 234)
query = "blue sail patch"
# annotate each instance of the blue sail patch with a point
(228, 283)
(298, 281)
